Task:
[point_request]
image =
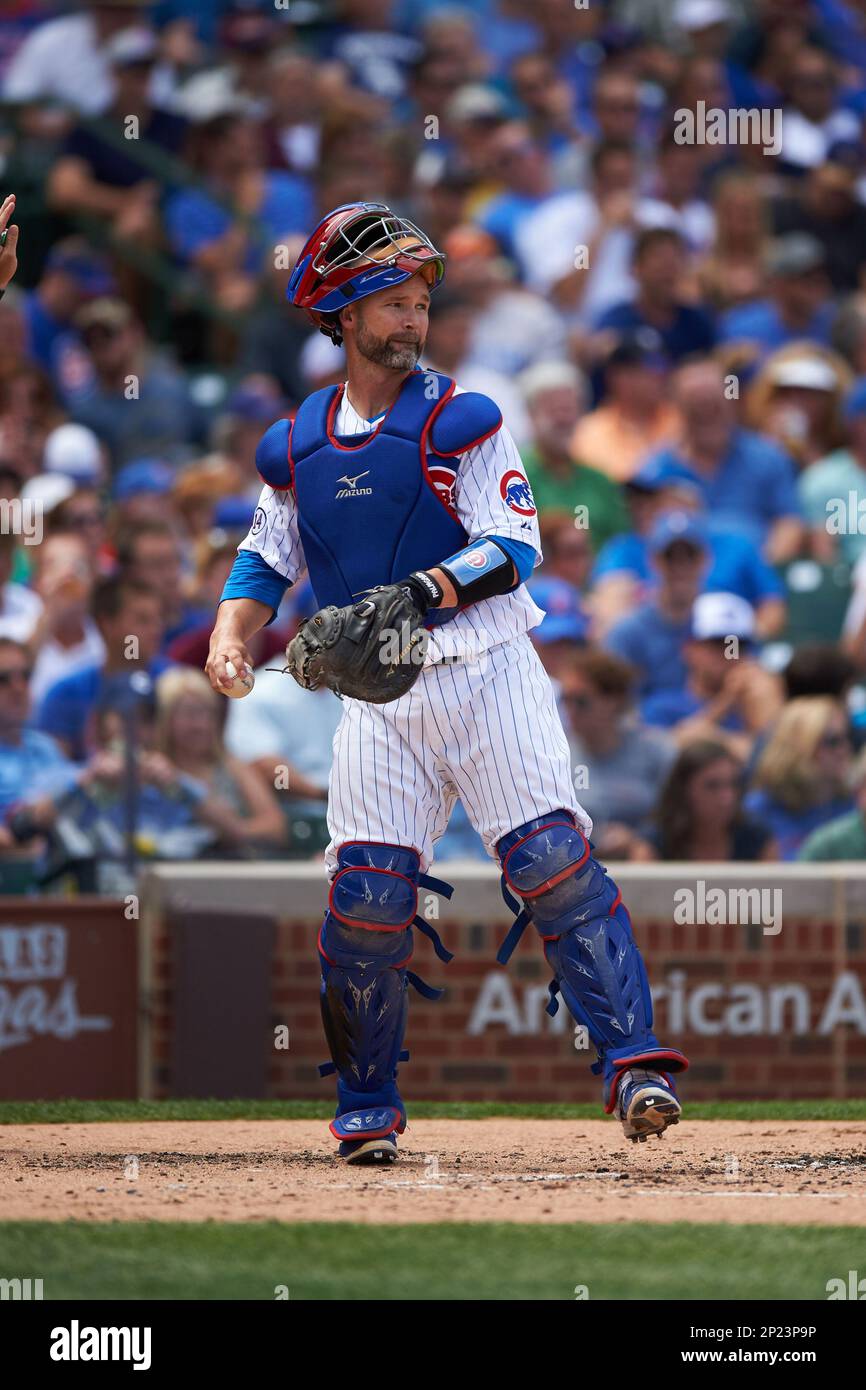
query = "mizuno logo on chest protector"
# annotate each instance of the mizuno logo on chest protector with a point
(352, 489)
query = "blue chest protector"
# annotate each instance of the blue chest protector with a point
(374, 507)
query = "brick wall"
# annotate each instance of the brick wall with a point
(759, 1015)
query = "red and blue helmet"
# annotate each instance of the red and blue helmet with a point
(357, 249)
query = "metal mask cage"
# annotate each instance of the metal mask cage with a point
(372, 232)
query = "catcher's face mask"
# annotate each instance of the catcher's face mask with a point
(355, 251)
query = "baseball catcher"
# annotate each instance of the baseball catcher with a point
(405, 499)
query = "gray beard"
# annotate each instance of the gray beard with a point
(399, 357)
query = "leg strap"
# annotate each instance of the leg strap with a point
(588, 941)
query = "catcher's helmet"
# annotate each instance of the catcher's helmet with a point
(357, 249)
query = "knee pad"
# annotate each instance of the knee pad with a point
(578, 911)
(364, 946)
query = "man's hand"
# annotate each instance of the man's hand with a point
(8, 257)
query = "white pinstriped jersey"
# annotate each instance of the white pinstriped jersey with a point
(482, 511)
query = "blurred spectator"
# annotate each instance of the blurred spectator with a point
(676, 199)
(830, 490)
(619, 765)
(65, 61)
(64, 639)
(239, 804)
(826, 206)
(700, 810)
(796, 399)
(199, 488)
(566, 549)
(564, 627)
(139, 493)
(133, 398)
(732, 272)
(20, 608)
(798, 304)
(286, 734)
(657, 266)
(250, 410)
(75, 451)
(818, 668)
(800, 781)
(727, 693)
(525, 184)
(635, 415)
(129, 618)
(151, 556)
(448, 346)
(293, 127)
(73, 273)
(735, 565)
(511, 327)
(577, 247)
(845, 837)
(214, 555)
(813, 117)
(555, 394)
(30, 762)
(745, 480)
(228, 228)
(100, 171)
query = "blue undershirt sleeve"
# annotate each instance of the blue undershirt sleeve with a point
(522, 555)
(253, 577)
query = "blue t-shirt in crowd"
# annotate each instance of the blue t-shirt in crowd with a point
(736, 566)
(761, 323)
(753, 486)
(665, 708)
(67, 706)
(692, 329)
(32, 768)
(791, 828)
(194, 219)
(653, 644)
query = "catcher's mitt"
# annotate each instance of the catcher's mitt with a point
(372, 650)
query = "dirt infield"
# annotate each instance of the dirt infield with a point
(449, 1170)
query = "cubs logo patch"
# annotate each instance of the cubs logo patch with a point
(476, 559)
(516, 493)
(443, 480)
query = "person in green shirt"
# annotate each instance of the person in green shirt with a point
(555, 395)
(844, 837)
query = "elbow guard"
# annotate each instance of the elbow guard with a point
(479, 571)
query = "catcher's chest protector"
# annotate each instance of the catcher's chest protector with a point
(374, 507)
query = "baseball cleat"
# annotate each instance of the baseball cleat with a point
(369, 1136)
(372, 1152)
(646, 1104)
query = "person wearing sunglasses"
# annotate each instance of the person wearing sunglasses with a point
(801, 778)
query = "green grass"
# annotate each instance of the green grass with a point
(443, 1261)
(39, 1112)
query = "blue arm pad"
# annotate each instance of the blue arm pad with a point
(253, 577)
(522, 554)
(484, 568)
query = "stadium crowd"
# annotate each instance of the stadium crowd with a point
(674, 328)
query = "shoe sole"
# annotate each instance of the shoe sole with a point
(651, 1114)
(373, 1153)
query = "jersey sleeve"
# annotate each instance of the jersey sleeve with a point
(492, 494)
(274, 533)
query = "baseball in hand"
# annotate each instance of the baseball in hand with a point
(241, 684)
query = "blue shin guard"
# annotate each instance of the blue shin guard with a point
(597, 967)
(364, 946)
